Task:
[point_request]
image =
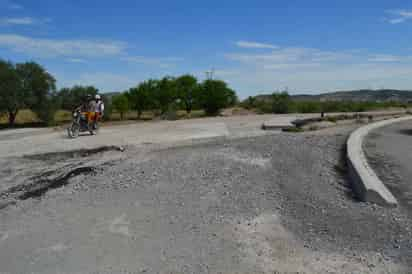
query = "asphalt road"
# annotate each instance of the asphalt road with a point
(389, 151)
(276, 203)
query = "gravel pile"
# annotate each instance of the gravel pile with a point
(254, 205)
(301, 177)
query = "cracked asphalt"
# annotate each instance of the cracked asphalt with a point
(265, 203)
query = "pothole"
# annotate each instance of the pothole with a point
(56, 172)
(405, 131)
(80, 153)
(40, 185)
(43, 186)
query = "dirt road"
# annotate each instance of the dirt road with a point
(32, 141)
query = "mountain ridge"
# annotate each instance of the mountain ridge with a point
(363, 95)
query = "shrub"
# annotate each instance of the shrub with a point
(308, 107)
(249, 103)
(280, 102)
(186, 88)
(332, 119)
(108, 108)
(215, 95)
(171, 113)
(140, 97)
(264, 107)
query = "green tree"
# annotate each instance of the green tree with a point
(12, 97)
(38, 86)
(215, 95)
(26, 85)
(186, 86)
(307, 107)
(281, 102)
(71, 98)
(232, 98)
(140, 97)
(249, 103)
(121, 104)
(108, 107)
(163, 92)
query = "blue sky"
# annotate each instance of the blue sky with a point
(257, 46)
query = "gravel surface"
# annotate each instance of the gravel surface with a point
(267, 204)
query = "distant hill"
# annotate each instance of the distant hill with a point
(382, 95)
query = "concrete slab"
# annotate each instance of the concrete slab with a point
(279, 122)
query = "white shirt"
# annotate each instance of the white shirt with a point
(100, 107)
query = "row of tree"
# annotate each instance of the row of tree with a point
(170, 94)
(29, 86)
(282, 102)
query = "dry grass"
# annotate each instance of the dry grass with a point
(150, 115)
(182, 114)
(24, 116)
(63, 116)
(132, 115)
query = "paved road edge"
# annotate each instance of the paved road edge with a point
(366, 183)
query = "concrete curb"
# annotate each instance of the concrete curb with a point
(366, 183)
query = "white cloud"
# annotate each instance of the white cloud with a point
(387, 58)
(254, 45)
(314, 70)
(164, 62)
(35, 47)
(27, 21)
(322, 78)
(290, 66)
(16, 7)
(290, 55)
(405, 13)
(76, 60)
(400, 16)
(10, 5)
(105, 81)
(17, 21)
(397, 21)
(225, 72)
